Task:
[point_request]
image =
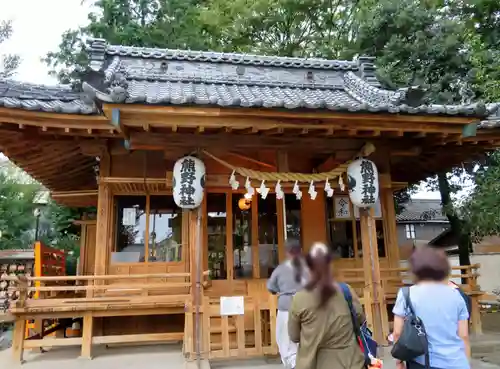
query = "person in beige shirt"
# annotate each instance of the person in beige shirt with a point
(320, 319)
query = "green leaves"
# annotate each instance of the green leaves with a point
(16, 210)
(482, 208)
(8, 63)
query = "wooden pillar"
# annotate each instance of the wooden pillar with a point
(389, 220)
(229, 237)
(313, 216)
(102, 232)
(282, 165)
(255, 238)
(193, 265)
(87, 334)
(371, 268)
(18, 339)
(104, 200)
(82, 260)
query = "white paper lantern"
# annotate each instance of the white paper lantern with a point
(362, 176)
(189, 182)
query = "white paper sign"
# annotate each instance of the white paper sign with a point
(129, 215)
(342, 207)
(234, 305)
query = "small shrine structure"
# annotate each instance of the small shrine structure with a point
(201, 165)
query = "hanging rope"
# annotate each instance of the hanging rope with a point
(366, 150)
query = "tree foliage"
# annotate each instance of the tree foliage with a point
(148, 23)
(18, 222)
(9, 62)
(307, 28)
(16, 211)
(482, 208)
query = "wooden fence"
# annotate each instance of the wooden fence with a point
(250, 335)
(392, 279)
(89, 297)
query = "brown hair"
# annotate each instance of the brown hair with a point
(429, 264)
(318, 260)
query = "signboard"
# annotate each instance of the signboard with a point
(129, 215)
(233, 305)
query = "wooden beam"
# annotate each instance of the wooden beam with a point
(262, 112)
(252, 160)
(329, 164)
(278, 126)
(158, 142)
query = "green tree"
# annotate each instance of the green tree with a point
(481, 208)
(9, 62)
(306, 28)
(16, 208)
(148, 23)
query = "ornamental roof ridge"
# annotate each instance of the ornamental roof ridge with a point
(99, 49)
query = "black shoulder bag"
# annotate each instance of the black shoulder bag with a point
(413, 340)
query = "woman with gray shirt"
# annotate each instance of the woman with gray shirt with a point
(288, 278)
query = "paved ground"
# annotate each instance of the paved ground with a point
(154, 357)
(485, 352)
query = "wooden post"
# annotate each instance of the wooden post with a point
(371, 269)
(103, 213)
(229, 237)
(282, 165)
(475, 316)
(389, 220)
(87, 333)
(18, 339)
(255, 238)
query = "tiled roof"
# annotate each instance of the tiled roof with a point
(493, 121)
(17, 254)
(58, 99)
(420, 210)
(162, 76)
(125, 74)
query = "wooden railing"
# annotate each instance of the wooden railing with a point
(90, 293)
(222, 337)
(392, 279)
(89, 297)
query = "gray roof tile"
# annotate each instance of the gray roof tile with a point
(59, 99)
(422, 210)
(492, 121)
(124, 74)
(162, 76)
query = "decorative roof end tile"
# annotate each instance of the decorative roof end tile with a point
(96, 48)
(367, 68)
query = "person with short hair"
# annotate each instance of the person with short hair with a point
(320, 319)
(285, 281)
(442, 310)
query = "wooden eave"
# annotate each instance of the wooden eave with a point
(272, 121)
(78, 199)
(56, 123)
(59, 150)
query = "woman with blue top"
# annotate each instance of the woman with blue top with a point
(288, 278)
(442, 310)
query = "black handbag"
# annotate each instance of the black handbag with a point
(413, 340)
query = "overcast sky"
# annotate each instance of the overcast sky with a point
(38, 26)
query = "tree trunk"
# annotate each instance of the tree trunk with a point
(456, 224)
